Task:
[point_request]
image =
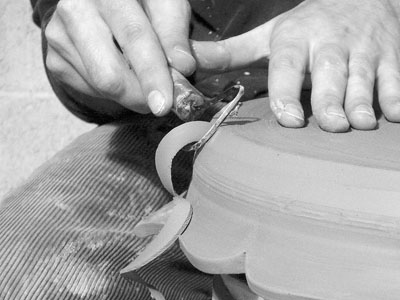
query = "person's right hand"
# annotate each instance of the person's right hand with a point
(151, 34)
(349, 47)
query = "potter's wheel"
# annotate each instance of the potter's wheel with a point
(305, 214)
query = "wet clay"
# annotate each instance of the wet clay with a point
(304, 213)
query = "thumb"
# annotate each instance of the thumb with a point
(235, 52)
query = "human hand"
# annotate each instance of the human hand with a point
(347, 46)
(151, 34)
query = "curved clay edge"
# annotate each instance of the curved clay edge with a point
(170, 145)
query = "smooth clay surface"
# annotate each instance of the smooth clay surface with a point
(305, 214)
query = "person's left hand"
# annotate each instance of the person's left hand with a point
(347, 46)
(118, 53)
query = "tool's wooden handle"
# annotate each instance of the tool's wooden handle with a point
(189, 103)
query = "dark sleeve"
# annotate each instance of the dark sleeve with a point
(87, 108)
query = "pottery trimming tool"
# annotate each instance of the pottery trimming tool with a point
(191, 105)
(236, 92)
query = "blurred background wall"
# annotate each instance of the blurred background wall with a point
(33, 124)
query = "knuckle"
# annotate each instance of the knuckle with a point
(286, 24)
(325, 99)
(388, 80)
(331, 57)
(360, 66)
(108, 82)
(106, 5)
(360, 59)
(223, 50)
(132, 32)
(287, 30)
(395, 77)
(67, 7)
(146, 71)
(389, 67)
(330, 96)
(287, 58)
(169, 37)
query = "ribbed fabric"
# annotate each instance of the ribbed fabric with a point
(67, 232)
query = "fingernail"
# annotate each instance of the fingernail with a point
(185, 53)
(209, 55)
(364, 109)
(335, 111)
(156, 102)
(289, 109)
(294, 111)
(183, 61)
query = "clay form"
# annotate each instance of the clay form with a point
(305, 214)
(169, 222)
(172, 143)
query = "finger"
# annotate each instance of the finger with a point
(58, 39)
(286, 74)
(359, 92)
(65, 72)
(388, 82)
(329, 71)
(62, 70)
(236, 52)
(62, 58)
(170, 20)
(135, 35)
(104, 68)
